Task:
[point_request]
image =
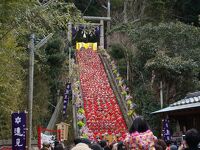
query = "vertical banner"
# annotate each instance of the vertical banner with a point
(19, 131)
(166, 131)
(67, 96)
(97, 31)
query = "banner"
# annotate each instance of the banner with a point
(19, 131)
(76, 29)
(79, 45)
(67, 95)
(166, 131)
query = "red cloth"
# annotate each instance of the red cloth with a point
(102, 112)
(5, 148)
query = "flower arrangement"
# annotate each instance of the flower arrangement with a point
(124, 89)
(131, 113)
(81, 124)
(81, 111)
(80, 116)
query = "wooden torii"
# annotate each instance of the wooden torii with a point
(101, 24)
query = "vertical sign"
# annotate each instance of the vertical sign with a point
(166, 131)
(67, 95)
(19, 131)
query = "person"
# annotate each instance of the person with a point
(45, 145)
(96, 146)
(86, 141)
(162, 144)
(103, 143)
(121, 146)
(191, 140)
(77, 140)
(140, 137)
(158, 147)
(168, 142)
(59, 147)
(173, 147)
(81, 146)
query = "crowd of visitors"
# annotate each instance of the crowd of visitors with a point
(139, 137)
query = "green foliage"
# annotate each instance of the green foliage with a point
(117, 4)
(89, 7)
(117, 51)
(34, 18)
(188, 11)
(169, 67)
(56, 57)
(11, 79)
(166, 52)
(159, 10)
(55, 53)
(171, 48)
(20, 18)
(146, 103)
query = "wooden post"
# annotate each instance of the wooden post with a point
(39, 137)
(161, 94)
(69, 38)
(102, 34)
(108, 25)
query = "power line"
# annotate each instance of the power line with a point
(87, 7)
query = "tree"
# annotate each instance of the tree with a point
(166, 52)
(18, 20)
(188, 11)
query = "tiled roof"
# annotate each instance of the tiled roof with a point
(190, 101)
(186, 101)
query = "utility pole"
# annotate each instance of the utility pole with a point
(69, 38)
(30, 96)
(127, 68)
(102, 34)
(108, 23)
(161, 94)
(32, 48)
(125, 11)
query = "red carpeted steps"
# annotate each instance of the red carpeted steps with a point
(102, 112)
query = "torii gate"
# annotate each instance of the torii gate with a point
(101, 24)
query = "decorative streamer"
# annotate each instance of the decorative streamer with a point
(166, 131)
(67, 95)
(97, 31)
(75, 29)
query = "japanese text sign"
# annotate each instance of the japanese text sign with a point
(19, 131)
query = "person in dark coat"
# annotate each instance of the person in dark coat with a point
(192, 139)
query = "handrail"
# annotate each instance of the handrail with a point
(77, 133)
(120, 98)
(55, 115)
(74, 116)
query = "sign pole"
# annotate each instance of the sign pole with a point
(30, 96)
(32, 48)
